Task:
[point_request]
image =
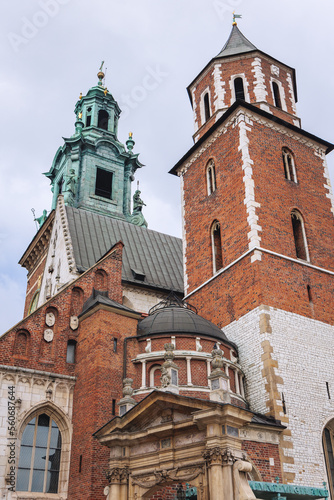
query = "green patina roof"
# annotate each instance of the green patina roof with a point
(237, 43)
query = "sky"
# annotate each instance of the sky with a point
(51, 50)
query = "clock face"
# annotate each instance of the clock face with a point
(50, 319)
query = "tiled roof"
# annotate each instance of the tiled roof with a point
(156, 255)
(237, 43)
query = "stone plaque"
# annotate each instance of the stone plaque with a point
(74, 322)
(48, 335)
(50, 319)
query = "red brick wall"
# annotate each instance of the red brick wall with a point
(272, 281)
(260, 453)
(235, 66)
(32, 283)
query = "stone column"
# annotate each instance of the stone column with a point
(216, 479)
(228, 380)
(188, 358)
(118, 483)
(237, 385)
(143, 374)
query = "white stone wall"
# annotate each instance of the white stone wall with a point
(60, 266)
(32, 391)
(304, 351)
(141, 300)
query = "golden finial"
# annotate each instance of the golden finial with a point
(80, 96)
(105, 91)
(100, 74)
(130, 135)
(80, 115)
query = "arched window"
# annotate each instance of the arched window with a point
(299, 235)
(103, 119)
(216, 247)
(34, 302)
(211, 177)
(100, 280)
(70, 353)
(21, 344)
(206, 102)
(89, 117)
(277, 95)
(40, 451)
(289, 165)
(239, 88)
(328, 447)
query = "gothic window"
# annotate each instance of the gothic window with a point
(206, 102)
(299, 235)
(103, 184)
(103, 119)
(216, 247)
(239, 88)
(211, 177)
(289, 165)
(277, 95)
(40, 452)
(34, 302)
(328, 447)
(70, 353)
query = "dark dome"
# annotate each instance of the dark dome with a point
(175, 319)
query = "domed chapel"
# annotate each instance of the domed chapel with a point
(150, 367)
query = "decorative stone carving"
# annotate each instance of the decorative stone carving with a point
(159, 476)
(127, 402)
(117, 475)
(169, 370)
(228, 457)
(74, 322)
(165, 377)
(213, 456)
(274, 70)
(199, 348)
(148, 347)
(50, 319)
(217, 362)
(48, 335)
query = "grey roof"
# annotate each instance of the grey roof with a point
(99, 297)
(177, 319)
(237, 43)
(156, 255)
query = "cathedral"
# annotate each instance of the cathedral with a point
(150, 367)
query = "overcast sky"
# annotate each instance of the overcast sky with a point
(51, 51)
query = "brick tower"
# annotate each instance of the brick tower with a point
(258, 243)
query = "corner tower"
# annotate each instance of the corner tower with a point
(93, 170)
(258, 203)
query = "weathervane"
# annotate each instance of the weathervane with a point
(235, 16)
(100, 75)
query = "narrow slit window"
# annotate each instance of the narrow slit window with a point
(216, 247)
(309, 293)
(211, 177)
(89, 117)
(239, 88)
(207, 113)
(115, 345)
(103, 186)
(299, 235)
(289, 165)
(277, 95)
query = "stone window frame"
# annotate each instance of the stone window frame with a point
(153, 369)
(289, 167)
(211, 177)
(65, 426)
(232, 87)
(204, 118)
(281, 94)
(295, 213)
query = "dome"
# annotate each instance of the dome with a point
(175, 319)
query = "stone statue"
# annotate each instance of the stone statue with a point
(137, 217)
(71, 181)
(42, 218)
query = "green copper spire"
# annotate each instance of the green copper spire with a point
(93, 170)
